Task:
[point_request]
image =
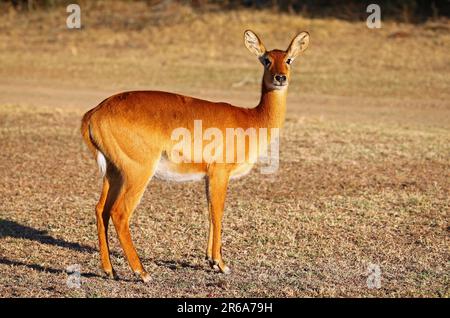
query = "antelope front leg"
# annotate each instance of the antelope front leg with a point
(218, 182)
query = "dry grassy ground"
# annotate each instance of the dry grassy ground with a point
(364, 173)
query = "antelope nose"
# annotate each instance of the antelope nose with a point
(280, 78)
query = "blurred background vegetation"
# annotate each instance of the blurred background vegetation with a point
(126, 44)
(412, 11)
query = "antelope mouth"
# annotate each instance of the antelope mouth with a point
(279, 86)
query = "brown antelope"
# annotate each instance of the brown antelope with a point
(130, 135)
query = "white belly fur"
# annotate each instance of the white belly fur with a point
(164, 172)
(241, 171)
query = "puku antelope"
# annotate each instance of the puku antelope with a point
(130, 136)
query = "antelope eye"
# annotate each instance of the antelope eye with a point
(267, 62)
(288, 61)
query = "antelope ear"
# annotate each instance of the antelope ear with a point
(298, 45)
(253, 43)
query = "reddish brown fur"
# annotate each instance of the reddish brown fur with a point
(133, 129)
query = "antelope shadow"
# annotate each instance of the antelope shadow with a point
(41, 268)
(16, 230)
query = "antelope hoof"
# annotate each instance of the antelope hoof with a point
(225, 270)
(211, 263)
(220, 267)
(144, 276)
(111, 274)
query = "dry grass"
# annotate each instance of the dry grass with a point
(346, 195)
(364, 173)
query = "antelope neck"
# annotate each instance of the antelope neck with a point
(271, 109)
